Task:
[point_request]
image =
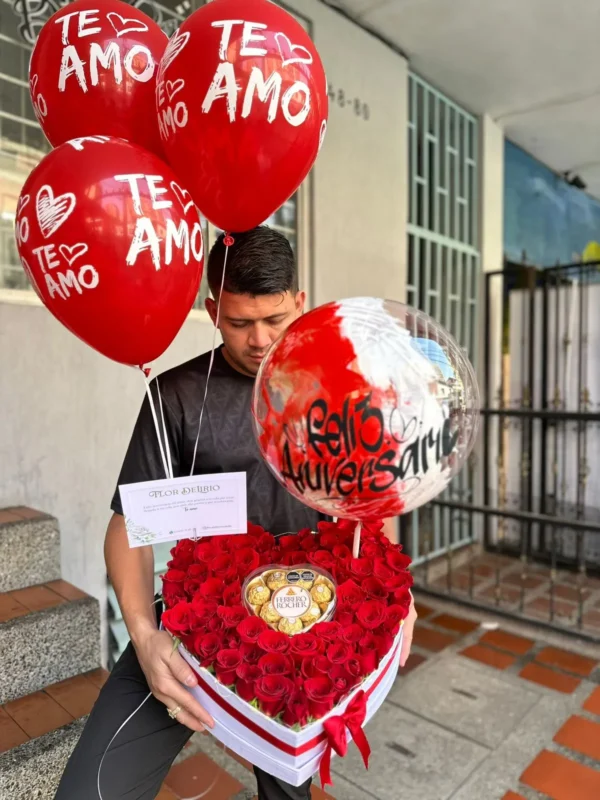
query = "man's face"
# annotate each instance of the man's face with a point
(249, 325)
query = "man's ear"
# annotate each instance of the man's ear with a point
(300, 301)
(211, 307)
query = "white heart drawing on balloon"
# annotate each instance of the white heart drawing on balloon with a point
(176, 44)
(184, 197)
(23, 201)
(53, 211)
(71, 253)
(291, 49)
(173, 87)
(127, 25)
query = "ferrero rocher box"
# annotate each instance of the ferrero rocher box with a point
(290, 599)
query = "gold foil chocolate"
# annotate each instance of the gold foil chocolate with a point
(321, 593)
(277, 579)
(269, 614)
(258, 595)
(312, 615)
(291, 626)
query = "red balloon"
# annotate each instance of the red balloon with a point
(93, 71)
(112, 244)
(242, 105)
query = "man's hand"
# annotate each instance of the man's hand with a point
(167, 674)
(408, 628)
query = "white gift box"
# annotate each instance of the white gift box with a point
(292, 756)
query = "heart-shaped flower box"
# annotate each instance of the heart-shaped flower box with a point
(286, 702)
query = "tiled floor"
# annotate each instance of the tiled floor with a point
(20, 602)
(42, 712)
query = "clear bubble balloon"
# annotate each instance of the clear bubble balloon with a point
(365, 408)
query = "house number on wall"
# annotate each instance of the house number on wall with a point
(342, 98)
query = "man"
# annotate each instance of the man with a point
(260, 299)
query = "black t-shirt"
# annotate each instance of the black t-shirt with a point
(226, 442)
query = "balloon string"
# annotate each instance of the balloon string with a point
(356, 542)
(164, 427)
(156, 425)
(228, 242)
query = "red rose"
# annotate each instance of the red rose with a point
(179, 619)
(322, 558)
(226, 664)
(296, 710)
(293, 557)
(320, 693)
(342, 552)
(330, 540)
(342, 680)
(399, 580)
(205, 551)
(176, 576)
(206, 646)
(289, 542)
(352, 634)
(327, 631)
(403, 598)
(196, 575)
(373, 528)
(340, 573)
(394, 616)
(231, 641)
(309, 543)
(246, 560)
(361, 567)
(305, 645)
(375, 589)
(354, 667)
(344, 614)
(371, 614)
(203, 609)
(251, 628)
(213, 588)
(369, 662)
(384, 644)
(275, 664)
(274, 641)
(371, 549)
(397, 560)
(308, 668)
(232, 594)
(246, 690)
(349, 593)
(173, 589)
(256, 530)
(382, 570)
(182, 554)
(223, 567)
(232, 615)
(271, 693)
(248, 672)
(250, 652)
(367, 642)
(264, 542)
(197, 571)
(215, 624)
(339, 653)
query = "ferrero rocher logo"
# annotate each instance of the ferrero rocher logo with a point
(291, 602)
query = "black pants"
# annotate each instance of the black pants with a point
(141, 755)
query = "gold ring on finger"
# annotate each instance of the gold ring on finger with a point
(173, 712)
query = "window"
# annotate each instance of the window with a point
(443, 263)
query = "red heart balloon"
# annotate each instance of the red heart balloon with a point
(242, 107)
(93, 71)
(112, 244)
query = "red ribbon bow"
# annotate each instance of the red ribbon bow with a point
(335, 727)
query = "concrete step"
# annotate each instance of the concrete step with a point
(29, 548)
(47, 633)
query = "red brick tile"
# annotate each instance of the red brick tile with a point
(195, 775)
(484, 570)
(564, 659)
(76, 695)
(458, 580)
(37, 598)
(10, 733)
(513, 796)
(414, 660)
(562, 779)
(317, 793)
(592, 704)
(423, 611)
(540, 608)
(571, 593)
(10, 608)
(486, 655)
(549, 678)
(591, 619)
(508, 594)
(527, 582)
(37, 714)
(6, 515)
(582, 735)
(24, 512)
(517, 645)
(452, 623)
(166, 794)
(66, 590)
(98, 676)
(431, 640)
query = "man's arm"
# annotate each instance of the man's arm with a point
(131, 572)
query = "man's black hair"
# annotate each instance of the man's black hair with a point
(260, 262)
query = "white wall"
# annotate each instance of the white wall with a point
(67, 412)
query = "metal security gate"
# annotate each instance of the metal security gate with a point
(443, 268)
